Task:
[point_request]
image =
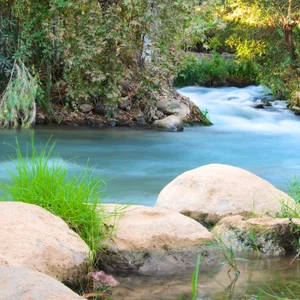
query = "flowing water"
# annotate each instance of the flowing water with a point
(137, 164)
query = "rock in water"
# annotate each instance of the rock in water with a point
(157, 241)
(270, 236)
(170, 123)
(214, 191)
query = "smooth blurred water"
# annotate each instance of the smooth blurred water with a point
(137, 164)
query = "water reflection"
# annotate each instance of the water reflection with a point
(274, 276)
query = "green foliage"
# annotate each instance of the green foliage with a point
(242, 72)
(17, 104)
(45, 181)
(284, 293)
(8, 46)
(294, 188)
(195, 278)
(253, 240)
(267, 34)
(84, 50)
(216, 72)
(292, 210)
(230, 259)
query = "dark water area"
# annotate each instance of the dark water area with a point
(136, 164)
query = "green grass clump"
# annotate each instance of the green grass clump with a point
(292, 210)
(44, 180)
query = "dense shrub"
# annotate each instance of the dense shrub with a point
(217, 72)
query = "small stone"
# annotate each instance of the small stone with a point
(85, 108)
(73, 115)
(124, 103)
(40, 118)
(260, 105)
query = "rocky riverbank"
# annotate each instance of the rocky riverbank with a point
(39, 253)
(149, 113)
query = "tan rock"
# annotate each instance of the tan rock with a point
(33, 238)
(124, 103)
(151, 240)
(267, 235)
(214, 191)
(170, 123)
(24, 284)
(171, 106)
(85, 108)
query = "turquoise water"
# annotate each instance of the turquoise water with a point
(137, 164)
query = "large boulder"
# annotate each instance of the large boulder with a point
(20, 283)
(156, 241)
(183, 107)
(214, 191)
(271, 236)
(33, 238)
(170, 123)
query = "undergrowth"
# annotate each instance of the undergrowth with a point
(43, 179)
(216, 72)
(17, 103)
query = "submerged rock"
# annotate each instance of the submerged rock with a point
(156, 241)
(259, 105)
(269, 236)
(211, 192)
(21, 283)
(33, 238)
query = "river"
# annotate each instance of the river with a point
(137, 164)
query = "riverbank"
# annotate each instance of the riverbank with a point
(126, 112)
(157, 242)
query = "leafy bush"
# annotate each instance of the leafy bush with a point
(8, 44)
(216, 72)
(17, 104)
(242, 73)
(45, 181)
(85, 50)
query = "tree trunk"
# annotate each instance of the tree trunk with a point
(289, 42)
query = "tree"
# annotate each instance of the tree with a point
(267, 32)
(85, 49)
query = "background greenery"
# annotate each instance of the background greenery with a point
(96, 51)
